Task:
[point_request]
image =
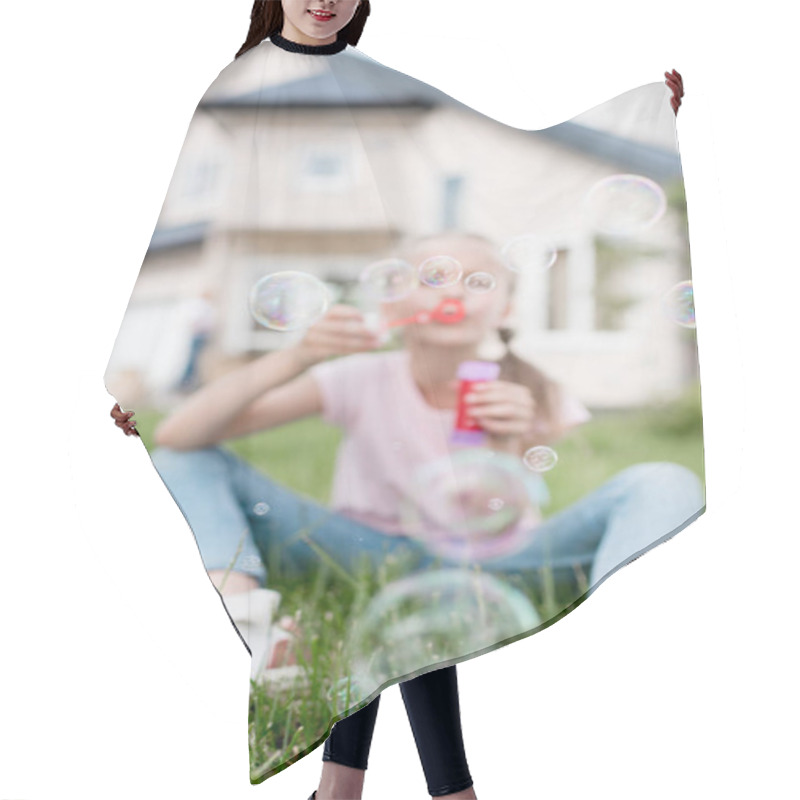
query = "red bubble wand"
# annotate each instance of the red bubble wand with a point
(447, 312)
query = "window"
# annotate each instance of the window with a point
(452, 193)
(612, 293)
(324, 167)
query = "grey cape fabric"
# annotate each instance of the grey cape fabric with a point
(398, 532)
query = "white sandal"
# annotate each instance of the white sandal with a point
(290, 676)
(253, 613)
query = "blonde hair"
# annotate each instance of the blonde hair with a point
(546, 392)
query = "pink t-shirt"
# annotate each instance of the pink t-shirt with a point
(390, 431)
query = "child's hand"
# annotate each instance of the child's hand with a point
(123, 420)
(504, 410)
(340, 332)
(675, 82)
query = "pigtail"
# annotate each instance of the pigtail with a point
(546, 392)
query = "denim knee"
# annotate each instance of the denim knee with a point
(683, 482)
(198, 481)
(166, 456)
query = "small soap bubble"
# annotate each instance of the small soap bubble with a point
(289, 300)
(678, 303)
(495, 504)
(260, 509)
(251, 561)
(529, 253)
(389, 279)
(422, 619)
(540, 459)
(480, 282)
(440, 271)
(623, 205)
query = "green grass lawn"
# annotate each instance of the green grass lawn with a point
(285, 726)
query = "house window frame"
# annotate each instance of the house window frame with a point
(306, 181)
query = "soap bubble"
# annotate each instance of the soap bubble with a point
(260, 509)
(540, 459)
(623, 205)
(389, 279)
(470, 505)
(347, 695)
(529, 253)
(426, 618)
(480, 282)
(251, 561)
(288, 301)
(678, 303)
(440, 271)
(367, 298)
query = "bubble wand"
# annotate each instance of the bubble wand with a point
(447, 312)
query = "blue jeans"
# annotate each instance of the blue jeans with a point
(221, 495)
(230, 504)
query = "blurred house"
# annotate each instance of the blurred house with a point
(327, 170)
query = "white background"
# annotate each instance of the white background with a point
(122, 675)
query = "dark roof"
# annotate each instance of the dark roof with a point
(637, 157)
(357, 81)
(350, 80)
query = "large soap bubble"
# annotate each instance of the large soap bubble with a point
(289, 300)
(470, 505)
(529, 253)
(678, 304)
(624, 205)
(430, 617)
(347, 695)
(389, 279)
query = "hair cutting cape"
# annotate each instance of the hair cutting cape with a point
(398, 535)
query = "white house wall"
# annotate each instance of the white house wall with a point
(397, 161)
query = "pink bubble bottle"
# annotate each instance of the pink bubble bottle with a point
(467, 430)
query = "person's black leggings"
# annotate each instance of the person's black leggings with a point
(433, 710)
